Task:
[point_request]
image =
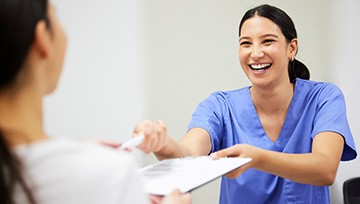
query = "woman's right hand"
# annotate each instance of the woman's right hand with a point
(155, 135)
(244, 151)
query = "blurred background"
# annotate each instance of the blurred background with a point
(157, 59)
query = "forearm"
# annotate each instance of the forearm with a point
(311, 168)
(196, 142)
(318, 167)
(172, 149)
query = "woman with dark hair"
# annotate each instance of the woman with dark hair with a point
(295, 130)
(33, 167)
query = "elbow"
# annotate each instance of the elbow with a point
(326, 179)
(326, 171)
(327, 182)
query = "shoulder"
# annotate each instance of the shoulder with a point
(58, 151)
(230, 95)
(316, 84)
(318, 89)
(63, 168)
(222, 100)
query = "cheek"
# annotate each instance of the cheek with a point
(61, 46)
(276, 52)
(243, 62)
(242, 55)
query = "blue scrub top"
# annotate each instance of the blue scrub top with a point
(230, 118)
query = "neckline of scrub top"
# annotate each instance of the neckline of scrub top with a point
(282, 137)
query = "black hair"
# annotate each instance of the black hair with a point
(296, 68)
(18, 19)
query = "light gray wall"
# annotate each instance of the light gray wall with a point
(100, 94)
(344, 32)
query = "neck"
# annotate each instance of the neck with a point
(21, 119)
(273, 100)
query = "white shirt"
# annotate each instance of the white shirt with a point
(67, 172)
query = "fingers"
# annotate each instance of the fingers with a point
(108, 143)
(154, 199)
(176, 197)
(233, 151)
(155, 135)
(237, 172)
(146, 128)
(239, 150)
(143, 127)
(161, 131)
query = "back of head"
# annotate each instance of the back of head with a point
(18, 19)
(287, 27)
(17, 22)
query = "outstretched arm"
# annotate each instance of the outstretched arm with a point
(317, 168)
(156, 139)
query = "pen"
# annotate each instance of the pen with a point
(133, 142)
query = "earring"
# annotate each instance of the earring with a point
(292, 58)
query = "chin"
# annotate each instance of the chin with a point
(260, 82)
(51, 89)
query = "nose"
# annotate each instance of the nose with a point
(257, 52)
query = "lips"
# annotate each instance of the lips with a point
(259, 67)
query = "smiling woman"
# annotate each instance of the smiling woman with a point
(264, 38)
(288, 124)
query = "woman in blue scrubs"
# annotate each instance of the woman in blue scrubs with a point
(294, 129)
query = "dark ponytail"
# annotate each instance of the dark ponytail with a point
(11, 175)
(296, 68)
(18, 19)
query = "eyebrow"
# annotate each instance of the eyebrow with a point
(266, 35)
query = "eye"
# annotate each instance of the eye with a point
(268, 41)
(245, 43)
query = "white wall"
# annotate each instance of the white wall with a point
(100, 94)
(344, 30)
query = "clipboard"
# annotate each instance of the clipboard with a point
(186, 174)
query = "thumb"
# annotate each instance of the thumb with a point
(228, 152)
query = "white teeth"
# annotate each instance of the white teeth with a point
(259, 66)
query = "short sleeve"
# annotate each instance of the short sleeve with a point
(208, 116)
(331, 116)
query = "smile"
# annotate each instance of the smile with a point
(257, 67)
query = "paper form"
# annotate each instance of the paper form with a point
(186, 173)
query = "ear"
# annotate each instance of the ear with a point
(293, 48)
(42, 40)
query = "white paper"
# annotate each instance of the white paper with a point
(186, 173)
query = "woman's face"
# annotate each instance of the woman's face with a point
(59, 42)
(264, 52)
